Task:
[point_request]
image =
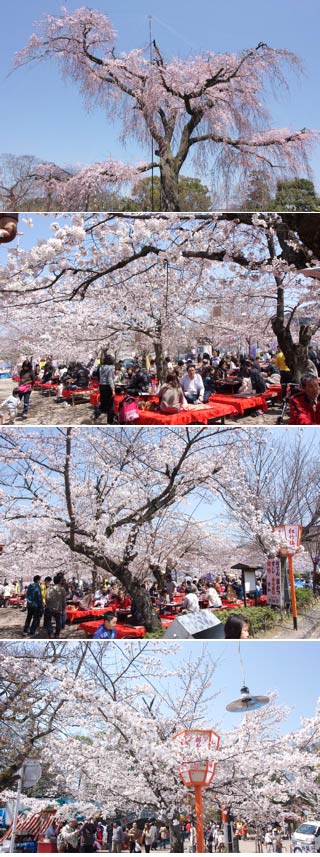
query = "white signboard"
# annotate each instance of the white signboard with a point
(274, 589)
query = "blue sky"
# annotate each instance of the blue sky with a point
(45, 116)
(289, 667)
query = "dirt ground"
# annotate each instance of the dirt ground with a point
(44, 410)
(12, 621)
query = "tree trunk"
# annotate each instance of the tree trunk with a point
(296, 353)
(159, 358)
(159, 575)
(134, 588)
(94, 574)
(141, 598)
(169, 184)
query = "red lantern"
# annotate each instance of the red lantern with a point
(198, 774)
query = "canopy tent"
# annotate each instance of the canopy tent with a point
(34, 824)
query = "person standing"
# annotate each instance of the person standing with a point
(55, 605)
(26, 382)
(154, 835)
(34, 607)
(268, 842)
(107, 387)
(147, 838)
(117, 838)
(68, 838)
(88, 837)
(193, 838)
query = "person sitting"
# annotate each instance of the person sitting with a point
(192, 385)
(257, 380)
(12, 403)
(205, 365)
(107, 631)
(180, 370)
(214, 599)
(221, 370)
(122, 601)
(305, 404)
(171, 397)
(140, 382)
(273, 376)
(190, 602)
(82, 376)
(47, 372)
(209, 383)
(215, 359)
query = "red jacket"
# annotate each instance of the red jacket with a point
(303, 412)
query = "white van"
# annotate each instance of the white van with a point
(307, 837)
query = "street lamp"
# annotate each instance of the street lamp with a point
(247, 701)
(198, 775)
(291, 534)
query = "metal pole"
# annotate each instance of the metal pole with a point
(199, 819)
(243, 574)
(292, 592)
(15, 814)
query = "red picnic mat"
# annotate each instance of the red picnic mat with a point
(239, 403)
(127, 631)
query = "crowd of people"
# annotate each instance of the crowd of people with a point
(189, 381)
(47, 600)
(98, 834)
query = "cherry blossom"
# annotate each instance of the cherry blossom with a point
(211, 106)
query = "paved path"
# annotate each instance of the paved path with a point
(308, 626)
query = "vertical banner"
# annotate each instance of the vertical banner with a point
(274, 582)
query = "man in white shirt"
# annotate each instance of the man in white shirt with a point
(214, 599)
(192, 385)
(191, 600)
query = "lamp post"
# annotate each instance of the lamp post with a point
(291, 533)
(198, 775)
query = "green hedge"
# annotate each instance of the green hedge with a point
(305, 598)
(259, 618)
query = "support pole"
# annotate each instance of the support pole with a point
(292, 592)
(243, 575)
(199, 819)
(15, 814)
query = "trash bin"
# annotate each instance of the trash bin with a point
(236, 845)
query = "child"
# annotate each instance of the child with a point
(12, 403)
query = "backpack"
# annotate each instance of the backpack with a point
(53, 598)
(128, 411)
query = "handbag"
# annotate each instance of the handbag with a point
(24, 388)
